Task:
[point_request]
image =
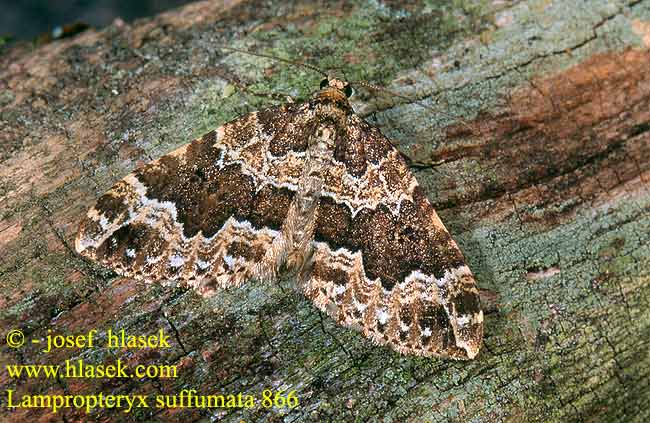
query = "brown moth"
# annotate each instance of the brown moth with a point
(308, 191)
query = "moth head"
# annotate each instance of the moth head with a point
(332, 82)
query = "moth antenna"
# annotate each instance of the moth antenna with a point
(412, 100)
(279, 59)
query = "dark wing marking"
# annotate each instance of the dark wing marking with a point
(383, 261)
(206, 213)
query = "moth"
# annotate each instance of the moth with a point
(308, 192)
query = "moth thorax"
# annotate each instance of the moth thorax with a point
(332, 104)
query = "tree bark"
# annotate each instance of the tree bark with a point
(529, 127)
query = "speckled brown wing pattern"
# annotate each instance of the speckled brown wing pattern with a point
(205, 214)
(383, 262)
(308, 192)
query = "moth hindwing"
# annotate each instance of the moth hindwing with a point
(309, 190)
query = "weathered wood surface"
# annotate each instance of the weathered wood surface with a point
(545, 187)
